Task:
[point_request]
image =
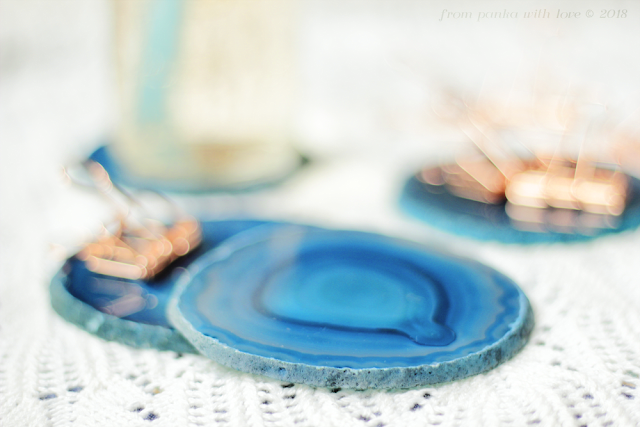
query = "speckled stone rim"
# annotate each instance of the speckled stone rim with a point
(369, 378)
(112, 328)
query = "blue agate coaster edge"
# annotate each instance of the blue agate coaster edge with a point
(436, 213)
(136, 332)
(113, 328)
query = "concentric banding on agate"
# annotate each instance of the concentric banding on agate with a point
(268, 302)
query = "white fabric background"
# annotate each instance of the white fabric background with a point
(582, 366)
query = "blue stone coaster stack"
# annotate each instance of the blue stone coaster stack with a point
(308, 305)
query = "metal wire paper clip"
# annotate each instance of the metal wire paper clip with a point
(137, 252)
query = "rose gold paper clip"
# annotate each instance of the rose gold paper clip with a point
(137, 252)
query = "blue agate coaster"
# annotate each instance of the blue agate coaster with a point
(436, 206)
(348, 309)
(132, 312)
(120, 175)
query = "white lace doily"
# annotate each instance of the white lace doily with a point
(581, 368)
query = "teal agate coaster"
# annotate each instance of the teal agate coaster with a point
(348, 309)
(132, 312)
(434, 205)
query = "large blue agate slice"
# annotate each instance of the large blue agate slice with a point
(434, 205)
(132, 312)
(348, 309)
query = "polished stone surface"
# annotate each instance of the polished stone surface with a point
(348, 309)
(468, 218)
(132, 311)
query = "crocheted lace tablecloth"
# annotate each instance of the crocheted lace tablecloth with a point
(581, 367)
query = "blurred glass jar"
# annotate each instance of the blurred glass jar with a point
(206, 90)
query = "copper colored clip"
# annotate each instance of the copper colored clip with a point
(541, 193)
(477, 179)
(140, 254)
(595, 197)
